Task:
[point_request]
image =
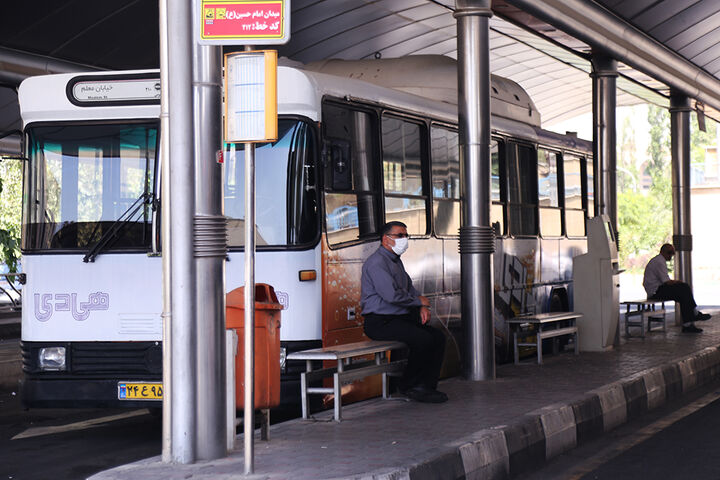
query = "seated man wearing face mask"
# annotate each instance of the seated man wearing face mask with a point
(394, 310)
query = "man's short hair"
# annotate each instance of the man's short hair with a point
(389, 225)
(667, 248)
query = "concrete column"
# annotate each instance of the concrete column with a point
(604, 75)
(477, 242)
(209, 250)
(680, 145)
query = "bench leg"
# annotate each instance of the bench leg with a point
(379, 360)
(627, 317)
(577, 345)
(338, 396)
(517, 353)
(304, 395)
(539, 345)
(264, 423)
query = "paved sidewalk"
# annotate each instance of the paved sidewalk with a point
(487, 429)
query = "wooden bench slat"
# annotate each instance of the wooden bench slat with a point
(349, 350)
(643, 302)
(546, 317)
(557, 332)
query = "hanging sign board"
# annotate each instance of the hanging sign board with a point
(244, 22)
(251, 96)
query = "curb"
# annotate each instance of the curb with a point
(508, 450)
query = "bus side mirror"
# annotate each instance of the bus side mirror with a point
(9, 139)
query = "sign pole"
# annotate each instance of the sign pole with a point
(249, 403)
(250, 116)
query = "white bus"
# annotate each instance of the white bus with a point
(350, 155)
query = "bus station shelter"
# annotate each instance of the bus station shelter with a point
(607, 53)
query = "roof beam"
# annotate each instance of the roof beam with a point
(600, 29)
(16, 66)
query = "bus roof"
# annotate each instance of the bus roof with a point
(301, 89)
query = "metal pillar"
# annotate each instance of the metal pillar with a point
(604, 75)
(165, 235)
(680, 145)
(210, 250)
(477, 242)
(249, 374)
(182, 264)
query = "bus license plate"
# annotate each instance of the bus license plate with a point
(140, 391)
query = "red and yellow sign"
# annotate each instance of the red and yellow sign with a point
(250, 20)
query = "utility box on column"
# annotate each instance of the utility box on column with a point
(596, 287)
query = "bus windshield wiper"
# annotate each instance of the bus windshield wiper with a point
(112, 233)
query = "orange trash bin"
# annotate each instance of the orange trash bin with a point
(267, 344)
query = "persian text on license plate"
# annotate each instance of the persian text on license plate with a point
(140, 391)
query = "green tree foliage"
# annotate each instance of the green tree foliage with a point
(700, 140)
(627, 172)
(645, 219)
(10, 212)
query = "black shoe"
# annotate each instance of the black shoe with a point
(426, 395)
(701, 317)
(691, 329)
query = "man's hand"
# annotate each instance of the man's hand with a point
(424, 314)
(424, 300)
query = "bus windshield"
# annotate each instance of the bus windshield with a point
(81, 178)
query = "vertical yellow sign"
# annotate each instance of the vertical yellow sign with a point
(251, 96)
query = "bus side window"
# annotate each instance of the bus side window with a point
(548, 193)
(589, 187)
(402, 149)
(573, 198)
(498, 197)
(445, 156)
(351, 204)
(522, 189)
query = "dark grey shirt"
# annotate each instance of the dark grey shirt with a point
(386, 287)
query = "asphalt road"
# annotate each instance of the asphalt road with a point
(71, 444)
(686, 449)
(678, 442)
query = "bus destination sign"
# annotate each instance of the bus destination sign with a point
(244, 22)
(116, 91)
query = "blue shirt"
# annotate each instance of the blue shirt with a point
(386, 289)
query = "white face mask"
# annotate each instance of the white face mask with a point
(401, 245)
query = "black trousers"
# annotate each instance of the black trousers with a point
(681, 293)
(426, 346)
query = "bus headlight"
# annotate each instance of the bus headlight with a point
(283, 358)
(52, 359)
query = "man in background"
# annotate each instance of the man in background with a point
(659, 286)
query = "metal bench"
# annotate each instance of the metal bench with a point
(348, 368)
(638, 313)
(542, 326)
